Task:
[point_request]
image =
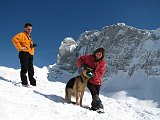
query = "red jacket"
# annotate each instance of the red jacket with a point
(98, 67)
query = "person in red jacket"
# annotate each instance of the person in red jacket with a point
(97, 62)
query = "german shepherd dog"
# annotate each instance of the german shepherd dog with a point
(76, 86)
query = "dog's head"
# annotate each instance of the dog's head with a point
(88, 72)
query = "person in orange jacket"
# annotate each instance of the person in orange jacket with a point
(97, 62)
(25, 46)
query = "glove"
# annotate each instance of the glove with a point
(90, 74)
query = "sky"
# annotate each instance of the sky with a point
(54, 20)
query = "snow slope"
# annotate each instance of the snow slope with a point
(46, 101)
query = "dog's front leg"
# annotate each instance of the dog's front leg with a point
(81, 98)
(78, 95)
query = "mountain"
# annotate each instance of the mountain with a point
(127, 48)
(133, 58)
(130, 89)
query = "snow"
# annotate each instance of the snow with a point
(69, 44)
(150, 45)
(157, 32)
(121, 24)
(127, 98)
(121, 32)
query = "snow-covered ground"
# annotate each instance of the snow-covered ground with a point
(46, 100)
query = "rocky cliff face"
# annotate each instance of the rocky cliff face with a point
(127, 48)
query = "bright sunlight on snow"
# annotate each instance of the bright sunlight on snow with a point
(46, 100)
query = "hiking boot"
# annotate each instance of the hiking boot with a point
(96, 103)
(33, 84)
(25, 85)
(100, 110)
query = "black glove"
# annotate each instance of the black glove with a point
(33, 45)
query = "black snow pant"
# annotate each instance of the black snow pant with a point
(26, 61)
(96, 102)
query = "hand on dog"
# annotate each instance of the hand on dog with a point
(90, 74)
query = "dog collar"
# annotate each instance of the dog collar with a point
(81, 79)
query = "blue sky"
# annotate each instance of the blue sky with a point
(53, 20)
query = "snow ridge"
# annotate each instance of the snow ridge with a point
(46, 101)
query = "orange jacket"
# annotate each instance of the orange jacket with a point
(23, 40)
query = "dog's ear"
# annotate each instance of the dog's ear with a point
(88, 72)
(84, 65)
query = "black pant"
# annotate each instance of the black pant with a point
(94, 89)
(96, 101)
(26, 61)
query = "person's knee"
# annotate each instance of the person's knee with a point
(23, 71)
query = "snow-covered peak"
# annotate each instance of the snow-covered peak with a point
(122, 43)
(121, 24)
(157, 33)
(68, 44)
(68, 40)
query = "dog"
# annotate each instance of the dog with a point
(76, 86)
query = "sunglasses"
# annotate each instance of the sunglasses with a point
(29, 29)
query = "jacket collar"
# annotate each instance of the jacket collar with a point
(28, 36)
